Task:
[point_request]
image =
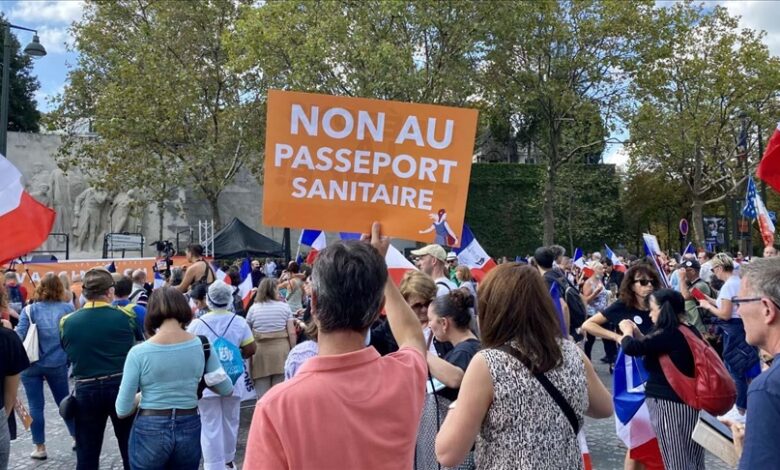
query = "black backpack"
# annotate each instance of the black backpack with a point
(578, 312)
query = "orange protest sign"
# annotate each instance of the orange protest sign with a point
(336, 163)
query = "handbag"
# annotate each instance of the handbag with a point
(68, 406)
(31, 346)
(711, 389)
(556, 394)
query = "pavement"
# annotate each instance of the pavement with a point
(606, 450)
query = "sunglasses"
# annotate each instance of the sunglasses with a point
(420, 305)
(643, 282)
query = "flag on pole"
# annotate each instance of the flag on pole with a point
(472, 254)
(245, 288)
(632, 420)
(316, 240)
(579, 258)
(769, 168)
(617, 265)
(690, 249)
(754, 208)
(24, 222)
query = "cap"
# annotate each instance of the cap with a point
(451, 256)
(691, 263)
(433, 250)
(97, 280)
(220, 295)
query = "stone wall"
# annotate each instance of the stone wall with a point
(88, 214)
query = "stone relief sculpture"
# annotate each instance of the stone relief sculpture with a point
(61, 201)
(89, 219)
(122, 219)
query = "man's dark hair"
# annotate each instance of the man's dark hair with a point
(348, 283)
(544, 257)
(123, 287)
(235, 276)
(557, 250)
(195, 249)
(607, 262)
(709, 255)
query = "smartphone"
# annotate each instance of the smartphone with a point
(697, 294)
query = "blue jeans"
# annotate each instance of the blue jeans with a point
(32, 379)
(95, 403)
(162, 442)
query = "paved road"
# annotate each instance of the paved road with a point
(607, 451)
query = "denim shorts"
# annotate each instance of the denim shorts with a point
(165, 442)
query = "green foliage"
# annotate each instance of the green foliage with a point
(697, 82)
(23, 115)
(153, 82)
(505, 207)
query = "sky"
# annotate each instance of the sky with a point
(53, 18)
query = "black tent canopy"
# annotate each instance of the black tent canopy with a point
(237, 240)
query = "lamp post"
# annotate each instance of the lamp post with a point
(34, 49)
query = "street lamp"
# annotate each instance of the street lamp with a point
(34, 49)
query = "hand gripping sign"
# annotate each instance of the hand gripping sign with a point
(338, 163)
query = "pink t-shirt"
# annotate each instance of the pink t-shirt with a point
(348, 411)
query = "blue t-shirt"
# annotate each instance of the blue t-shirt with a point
(167, 376)
(763, 415)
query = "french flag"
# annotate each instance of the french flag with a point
(245, 288)
(221, 275)
(617, 265)
(24, 222)
(632, 420)
(472, 254)
(579, 258)
(316, 240)
(397, 264)
(158, 281)
(690, 249)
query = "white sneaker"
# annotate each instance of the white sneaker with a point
(39, 455)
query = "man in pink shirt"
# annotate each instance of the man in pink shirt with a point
(347, 408)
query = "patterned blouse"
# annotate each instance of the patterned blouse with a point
(524, 427)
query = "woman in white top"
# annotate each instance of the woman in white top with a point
(740, 358)
(274, 330)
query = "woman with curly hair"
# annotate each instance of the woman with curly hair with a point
(6, 312)
(46, 312)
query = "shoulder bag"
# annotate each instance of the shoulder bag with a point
(31, 346)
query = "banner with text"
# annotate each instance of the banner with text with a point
(338, 163)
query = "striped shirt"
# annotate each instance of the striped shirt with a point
(268, 317)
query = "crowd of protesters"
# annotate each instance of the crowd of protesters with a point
(352, 371)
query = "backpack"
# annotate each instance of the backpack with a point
(578, 312)
(238, 304)
(711, 389)
(228, 353)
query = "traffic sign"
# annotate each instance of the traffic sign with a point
(684, 227)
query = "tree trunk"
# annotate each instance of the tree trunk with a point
(215, 216)
(697, 214)
(161, 216)
(548, 207)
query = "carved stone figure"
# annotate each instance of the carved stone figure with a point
(88, 218)
(121, 212)
(61, 200)
(39, 186)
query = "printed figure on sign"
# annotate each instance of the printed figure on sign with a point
(444, 234)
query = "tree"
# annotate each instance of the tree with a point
(700, 84)
(553, 62)
(408, 51)
(153, 82)
(23, 114)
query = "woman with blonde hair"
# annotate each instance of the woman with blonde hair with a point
(419, 290)
(273, 327)
(505, 402)
(69, 296)
(51, 365)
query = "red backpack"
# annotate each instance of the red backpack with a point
(711, 389)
